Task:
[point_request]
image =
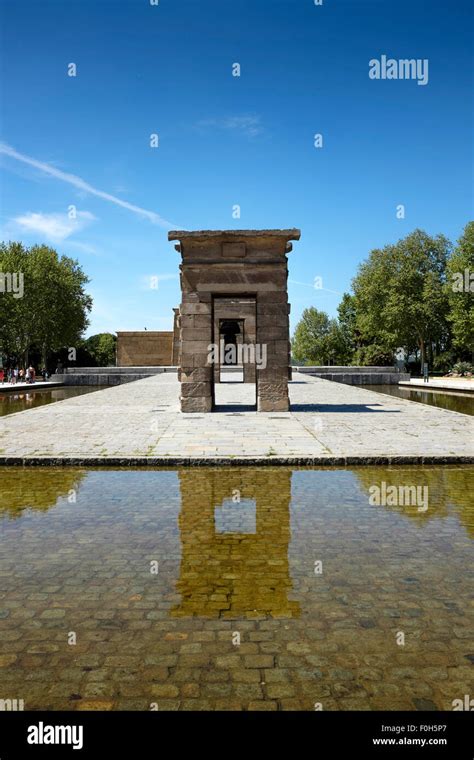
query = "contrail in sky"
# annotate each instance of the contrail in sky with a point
(81, 184)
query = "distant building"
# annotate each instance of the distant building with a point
(149, 348)
(145, 349)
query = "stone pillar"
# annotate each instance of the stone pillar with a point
(196, 337)
(273, 331)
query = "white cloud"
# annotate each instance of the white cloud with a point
(55, 227)
(249, 125)
(81, 184)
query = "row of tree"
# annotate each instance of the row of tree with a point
(44, 310)
(415, 296)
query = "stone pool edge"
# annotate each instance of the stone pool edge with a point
(238, 461)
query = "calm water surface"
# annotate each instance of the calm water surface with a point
(455, 402)
(236, 588)
(18, 401)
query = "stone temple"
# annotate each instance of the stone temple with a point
(234, 295)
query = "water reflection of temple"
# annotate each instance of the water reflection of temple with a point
(235, 531)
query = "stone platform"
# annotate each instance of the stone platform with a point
(119, 375)
(329, 424)
(108, 375)
(357, 375)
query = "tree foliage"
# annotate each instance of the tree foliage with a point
(53, 309)
(400, 296)
(318, 340)
(460, 288)
(101, 349)
(350, 335)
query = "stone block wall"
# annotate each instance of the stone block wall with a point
(144, 349)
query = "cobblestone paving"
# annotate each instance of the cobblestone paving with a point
(76, 554)
(327, 419)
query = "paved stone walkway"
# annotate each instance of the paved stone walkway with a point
(330, 423)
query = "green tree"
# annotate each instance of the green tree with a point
(101, 348)
(460, 287)
(16, 321)
(400, 297)
(53, 310)
(317, 339)
(348, 327)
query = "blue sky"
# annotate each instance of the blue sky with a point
(84, 141)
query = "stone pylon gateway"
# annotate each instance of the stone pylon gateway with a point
(221, 269)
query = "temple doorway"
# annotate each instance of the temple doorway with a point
(234, 375)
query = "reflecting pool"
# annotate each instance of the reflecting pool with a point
(18, 401)
(455, 402)
(236, 588)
